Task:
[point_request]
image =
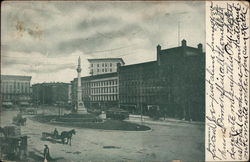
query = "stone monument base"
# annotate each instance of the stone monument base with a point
(80, 109)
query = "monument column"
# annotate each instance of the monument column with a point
(80, 108)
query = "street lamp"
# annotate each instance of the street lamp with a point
(17, 96)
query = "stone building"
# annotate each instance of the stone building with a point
(173, 85)
(99, 91)
(15, 89)
(104, 65)
(51, 93)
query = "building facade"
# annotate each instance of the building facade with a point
(51, 93)
(173, 85)
(99, 91)
(15, 89)
(104, 65)
(139, 87)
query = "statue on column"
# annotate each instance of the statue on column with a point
(79, 106)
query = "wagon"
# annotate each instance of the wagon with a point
(51, 137)
(48, 135)
(13, 146)
(29, 111)
(19, 121)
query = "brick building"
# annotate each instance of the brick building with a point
(174, 84)
(51, 93)
(139, 86)
(15, 89)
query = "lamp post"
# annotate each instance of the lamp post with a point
(36, 99)
(43, 101)
(17, 96)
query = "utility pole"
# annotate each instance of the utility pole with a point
(140, 90)
(36, 99)
(43, 101)
(178, 33)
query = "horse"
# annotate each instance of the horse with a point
(68, 135)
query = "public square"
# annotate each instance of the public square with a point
(125, 81)
(167, 140)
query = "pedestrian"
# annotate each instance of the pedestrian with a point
(46, 153)
(55, 133)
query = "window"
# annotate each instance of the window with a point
(102, 64)
(98, 70)
(105, 70)
(102, 70)
(110, 70)
(97, 65)
(105, 64)
(91, 65)
(110, 64)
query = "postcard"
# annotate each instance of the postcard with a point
(124, 81)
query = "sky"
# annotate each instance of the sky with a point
(44, 39)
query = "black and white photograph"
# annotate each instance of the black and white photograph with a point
(103, 81)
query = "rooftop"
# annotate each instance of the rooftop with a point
(150, 63)
(99, 76)
(105, 59)
(50, 83)
(15, 77)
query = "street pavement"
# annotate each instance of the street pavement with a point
(164, 142)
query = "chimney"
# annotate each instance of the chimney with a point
(183, 43)
(118, 66)
(199, 47)
(158, 50)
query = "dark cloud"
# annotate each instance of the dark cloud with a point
(96, 22)
(99, 40)
(63, 29)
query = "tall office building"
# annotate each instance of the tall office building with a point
(104, 65)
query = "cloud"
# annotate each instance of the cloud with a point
(44, 39)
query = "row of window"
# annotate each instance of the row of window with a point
(104, 90)
(138, 82)
(133, 99)
(15, 88)
(104, 98)
(103, 65)
(104, 70)
(104, 83)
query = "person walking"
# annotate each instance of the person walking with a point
(46, 153)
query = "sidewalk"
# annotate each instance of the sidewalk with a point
(161, 121)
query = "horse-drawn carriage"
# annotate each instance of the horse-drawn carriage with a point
(19, 120)
(64, 137)
(29, 111)
(13, 146)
